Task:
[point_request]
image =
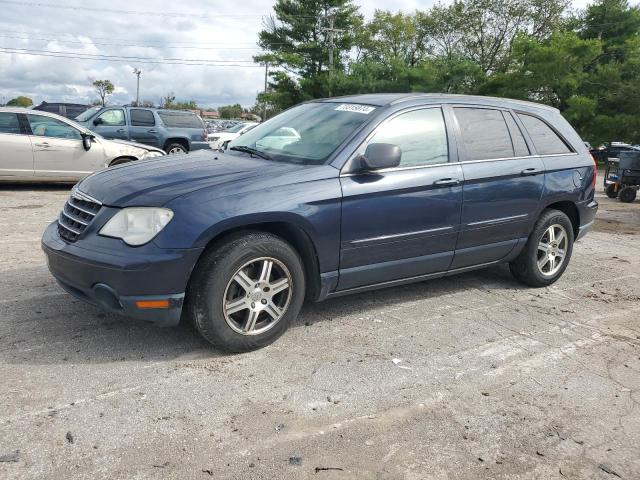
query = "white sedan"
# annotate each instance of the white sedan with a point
(43, 146)
(219, 140)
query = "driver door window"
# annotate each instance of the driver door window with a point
(42, 126)
(112, 118)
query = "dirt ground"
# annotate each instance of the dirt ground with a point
(467, 377)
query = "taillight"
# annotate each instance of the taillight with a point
(595, 172)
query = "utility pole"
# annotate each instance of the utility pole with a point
(138, 72)
(331, 31)
(264, 103)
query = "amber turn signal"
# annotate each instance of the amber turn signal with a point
(144, 304)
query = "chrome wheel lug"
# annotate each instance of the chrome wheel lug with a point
(264, 301)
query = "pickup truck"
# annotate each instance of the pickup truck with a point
(173, 131)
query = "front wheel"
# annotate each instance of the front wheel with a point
(175, 149)
(547, 252)
(246, 292)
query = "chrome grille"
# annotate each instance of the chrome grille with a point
(76, 215)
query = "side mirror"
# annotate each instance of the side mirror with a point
(381, 155)
(98, 121)
(86, 141)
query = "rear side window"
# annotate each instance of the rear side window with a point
(519, 145)
(484, 133)
(546, 141)
(420, 134)
(180, 120)
(9, 123)
(142, 118)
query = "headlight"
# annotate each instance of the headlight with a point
(137, 225)
(151, 154)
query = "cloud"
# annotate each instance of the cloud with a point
(156, 34)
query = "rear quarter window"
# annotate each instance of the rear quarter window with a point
(545, 140)
(180, 120)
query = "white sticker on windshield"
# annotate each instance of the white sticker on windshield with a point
(350, 107)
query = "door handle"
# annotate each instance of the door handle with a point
(447, 181)
(153, 130)
(121, 130)
(43, 145)
(530, 171)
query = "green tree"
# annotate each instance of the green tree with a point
(20, 101)
(167, 100)
(103, 88)
(230, 111)
(296, 41)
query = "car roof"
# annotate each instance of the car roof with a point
(387, 99)
(42, 113)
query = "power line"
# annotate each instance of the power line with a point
(76, 56)
(136, 12)
(21, 32)
(131, 58)
(75, 42)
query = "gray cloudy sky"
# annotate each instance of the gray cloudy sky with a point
(222, 31)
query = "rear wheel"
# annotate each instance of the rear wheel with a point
(245, 293)
(627, 194)
(611, 190)
(175, 149)
(547, 252)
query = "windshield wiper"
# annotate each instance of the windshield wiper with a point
(250, 151)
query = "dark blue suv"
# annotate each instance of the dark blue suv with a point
(328, 198)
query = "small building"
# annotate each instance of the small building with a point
(209, 114)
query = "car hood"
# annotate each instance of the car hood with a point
(158, 181)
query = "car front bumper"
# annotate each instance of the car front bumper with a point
(119, 278)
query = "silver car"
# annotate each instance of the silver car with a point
(43, 146)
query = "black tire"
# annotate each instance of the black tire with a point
(611, 191)
(213, 276)
(176, 149)
(525, 266)
(627, 194)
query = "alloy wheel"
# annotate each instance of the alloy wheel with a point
(257, 296)
(176, 150)
(552, 250)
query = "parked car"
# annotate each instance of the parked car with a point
(279, 139)
(68, 110)
(612, 150)
(214, 126)
(174, 131)
(220, 140)
(378, 191)
(42, 146)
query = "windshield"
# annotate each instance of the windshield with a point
(306, 134)
(84, 116)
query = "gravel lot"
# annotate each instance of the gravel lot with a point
(468, 377)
